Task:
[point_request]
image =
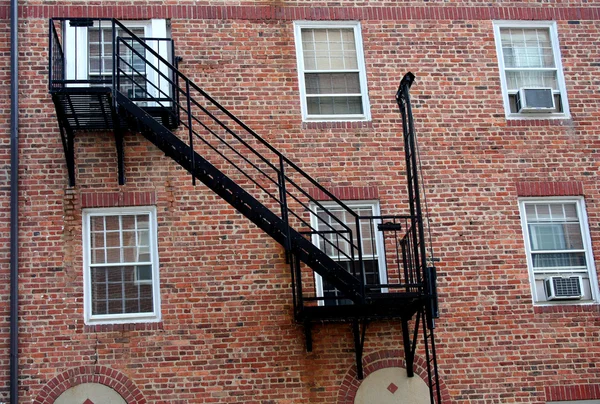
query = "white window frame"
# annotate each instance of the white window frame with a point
(355, 25)
(379, 242)
(562, 89)
(77, 51)
(587, 245)
(154, 316)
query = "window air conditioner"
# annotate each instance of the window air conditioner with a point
(535, 100)
(558, 287)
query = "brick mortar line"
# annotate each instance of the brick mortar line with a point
(262, 13)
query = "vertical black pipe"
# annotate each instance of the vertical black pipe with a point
(14, 200)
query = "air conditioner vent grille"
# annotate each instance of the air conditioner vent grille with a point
(558, 287)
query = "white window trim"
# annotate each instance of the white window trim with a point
(551, 25)
(585, 234)
(355, 25)
(378, 239)
(77, 51)
(91, 319)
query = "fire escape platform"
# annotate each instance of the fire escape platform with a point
(91, 108)
(382, 306)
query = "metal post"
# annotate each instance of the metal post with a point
(190, 131)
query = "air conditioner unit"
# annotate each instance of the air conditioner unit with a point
(535, 100)
(568, 288)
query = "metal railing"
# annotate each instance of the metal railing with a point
(210, 130)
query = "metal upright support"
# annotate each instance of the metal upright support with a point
(120, 151)
(359, 343)
(67, 138)
(190, 130)
(115, 116)
(308, 335)
(409, 355)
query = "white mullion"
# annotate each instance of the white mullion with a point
(342, 45)
(137, 258)
(123, 299)
(122, 260)
(118, 264)
(531, 69)
(106, 283)
(560, 270)
(557, 251)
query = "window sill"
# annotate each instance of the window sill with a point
(537, 120)
(336, 124)
(123, 327)
(588, 307)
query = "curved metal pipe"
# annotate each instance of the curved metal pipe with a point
(14, 201)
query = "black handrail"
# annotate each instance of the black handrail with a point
(282, 177)
(211, 127)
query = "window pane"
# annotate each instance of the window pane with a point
(527, 48)
(329, 49)
(518, 79)
(555, 237)
(556, 260)
(332, 83)
(115, 290)
(334, 105)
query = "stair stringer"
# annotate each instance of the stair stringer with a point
(241, 200)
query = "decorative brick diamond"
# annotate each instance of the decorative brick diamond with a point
(88, 401)
(392, 389)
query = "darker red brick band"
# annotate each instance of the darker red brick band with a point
(123, 327)
(572, 393)
(346, 193)
(117, 199)
(90, 374)
(549, 188)
(381, 360)
(568, 308)
(267, 12)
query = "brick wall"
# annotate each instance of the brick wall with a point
(227, 332)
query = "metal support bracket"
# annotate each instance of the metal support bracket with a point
(118, 131)
(308, 335)
(120, 155)
(359, 343)
(409, 354)
(67, 136)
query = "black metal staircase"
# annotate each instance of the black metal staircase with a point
(146, 93)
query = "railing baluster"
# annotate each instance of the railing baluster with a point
(190, 130)
(115, 55)
(284, 207)
(361, 263)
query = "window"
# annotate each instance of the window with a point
(558, 250)
(100, 59)
(120, 265)
(88, 55)
(530, 69)
(331, 71)
(325, 221)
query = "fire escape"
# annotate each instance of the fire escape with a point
(141, 90)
